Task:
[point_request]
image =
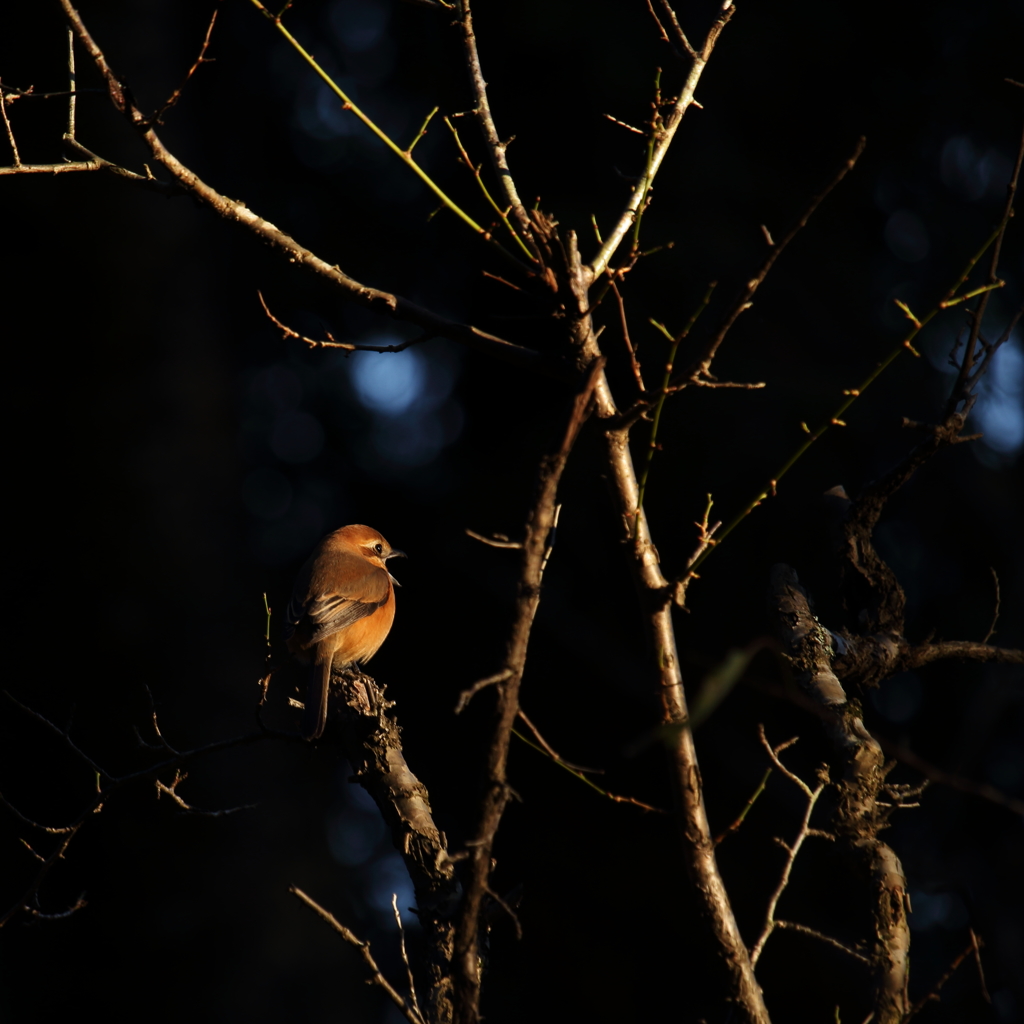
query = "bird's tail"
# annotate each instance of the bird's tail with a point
(315, 717)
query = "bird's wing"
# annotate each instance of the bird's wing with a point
(327, 610)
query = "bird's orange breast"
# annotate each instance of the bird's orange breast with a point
(361, 640)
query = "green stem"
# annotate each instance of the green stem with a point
(503, 214)
(403, 154)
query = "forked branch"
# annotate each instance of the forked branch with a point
(238, 213)
(660, 146)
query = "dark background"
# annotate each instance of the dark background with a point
(169, 458)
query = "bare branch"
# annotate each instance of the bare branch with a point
(72, 84)
(376, 978)
(655, 597)
(171, 100)
(331, 342)
(110, 784)
(976, 361)
(662, 34)
(238, 213)
(933, 995)
(701, 366)
(793, 849)
(496, 541)
(495, 146)
(52, 829)
(630, 348)
(962, 650)
(741, 817)
(583, 774)
(481, 684)
(540, 523)
(405, 956)
(995, 611)
(677, 28)
(660, 147)
(172, 792)
(821, 937)
(7, 124)
(513, 916)
(977, 943)
(951, 779)
(551, 752)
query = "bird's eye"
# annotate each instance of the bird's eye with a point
(379, 548)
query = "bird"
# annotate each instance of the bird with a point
(340, 612)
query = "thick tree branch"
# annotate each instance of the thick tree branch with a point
(656, 599)
(369, 735)
(859, 815)
(536, 541)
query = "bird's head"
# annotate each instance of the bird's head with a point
(370, 544)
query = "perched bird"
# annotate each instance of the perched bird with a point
(340, 612)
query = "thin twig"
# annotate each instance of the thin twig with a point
(705, 538)
(405, 955)
(662, 34)
(495, 146)
(701, 367)
(630, 348)
(821, 937)
(404, 155)
(73, 83)
(659, 147)
(675, 342)
(970, 367)
(977, 943)
(677, 28)
(52, 829)
(158, 117)
(791, 849)
(995, 612)
(376, 977)
(110, 784)
(551, 752)
(238, 213)
(7, 125)
(475, 171)
(508, 910)
(468, 694)
(586, 780)
(741, 817)
(172, 792)
(494, 542)
(933, 995)
(850, 396)
(332, 342)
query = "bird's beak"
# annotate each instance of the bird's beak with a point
(388, 557)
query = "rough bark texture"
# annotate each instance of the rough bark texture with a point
(655, 594)
(858, 817)
(362, 722)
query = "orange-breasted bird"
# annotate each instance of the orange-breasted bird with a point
(341, 610)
